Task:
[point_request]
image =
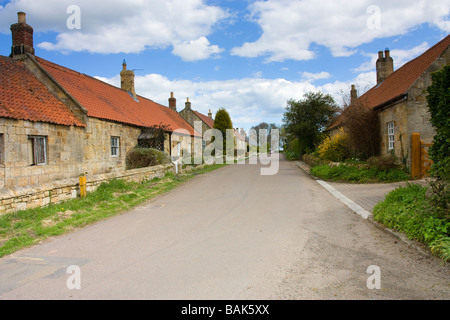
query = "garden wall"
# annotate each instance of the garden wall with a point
(21, 198)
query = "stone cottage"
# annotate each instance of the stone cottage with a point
(399, 98)
(192, 116)
(56, 123)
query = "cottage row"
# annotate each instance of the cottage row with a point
(56, 123)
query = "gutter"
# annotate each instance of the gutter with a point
(387, 104)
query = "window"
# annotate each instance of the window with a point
(391, 135)
(115, 146)
(179, 149)
(38, 150)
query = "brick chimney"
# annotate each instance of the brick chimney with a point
(127, 80)
(385, 65)
(172, 102)
(22, 36)
(353, 94)
(210, 114)
(188, 104)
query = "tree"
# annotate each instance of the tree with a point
(222, 122)
(306, 119)
(362, 126)
(439, 106)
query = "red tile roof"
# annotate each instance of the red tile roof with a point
(209, 122)
(238, 135)
(398, 83)
(24, 97)
(107, 102)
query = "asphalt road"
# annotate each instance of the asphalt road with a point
(229, 234)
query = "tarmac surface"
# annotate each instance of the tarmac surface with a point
(231, 234)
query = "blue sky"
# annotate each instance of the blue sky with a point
(248, 57)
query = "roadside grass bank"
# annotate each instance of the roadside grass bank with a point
(411, 211)
(354, 174)
(28, 227)
(373, 170)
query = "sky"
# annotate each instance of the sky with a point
(247, 56)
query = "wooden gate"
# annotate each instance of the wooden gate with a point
(420, 160)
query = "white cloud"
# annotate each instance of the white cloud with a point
(199, 49)
(291, 27)
(308, 76)
(112, 26)
(249, 100)
(400, 57)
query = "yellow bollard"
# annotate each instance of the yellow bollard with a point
(83, 187)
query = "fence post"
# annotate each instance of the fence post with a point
(415, 156)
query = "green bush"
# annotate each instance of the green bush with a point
(313, 160)
(358, 174)
(145, 157)
(408, 210)
(383, 163)
(293, 151)
(438, 104)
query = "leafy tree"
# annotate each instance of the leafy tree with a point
(439, 107)
(306, 119)
(222, 122)
(268, 127)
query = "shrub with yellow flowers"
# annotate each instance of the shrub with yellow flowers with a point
(336, 147)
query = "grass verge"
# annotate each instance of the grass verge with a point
(25, 228)
(408, 210)
(355, 174)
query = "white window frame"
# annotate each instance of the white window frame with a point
(391, 135)
(38, 158)
(179, 149)
(115, 147)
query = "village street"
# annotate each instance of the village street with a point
(228, 234)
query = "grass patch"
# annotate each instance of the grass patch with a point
(358, 174)
(408, 210)
(25, 228)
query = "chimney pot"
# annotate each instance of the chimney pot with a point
(127, 80)
(172, 102)
(22, 17)
(385, 65)
(22, 36)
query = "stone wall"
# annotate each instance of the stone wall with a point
(28, 197)
(398, 115)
